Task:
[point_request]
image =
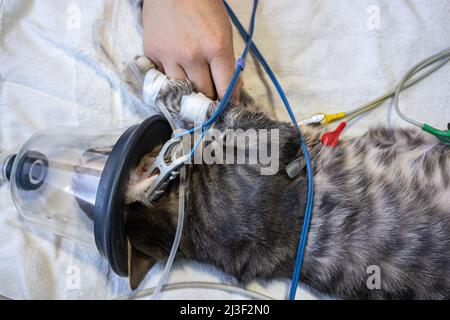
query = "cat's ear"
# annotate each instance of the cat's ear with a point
(138, 266)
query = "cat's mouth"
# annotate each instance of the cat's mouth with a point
(140, 181)
(142, 177)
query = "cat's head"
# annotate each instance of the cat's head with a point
(150, 226)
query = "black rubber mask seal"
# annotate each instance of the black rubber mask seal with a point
(109, 212)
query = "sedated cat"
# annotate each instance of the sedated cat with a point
(382, 199)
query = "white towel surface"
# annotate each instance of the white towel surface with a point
(330, 56)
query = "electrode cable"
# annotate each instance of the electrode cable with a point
(416, 74)
(310, 193)
(240, 65)
(400, 87)
(443, 55)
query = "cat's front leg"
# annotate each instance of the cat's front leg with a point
(181, 98)
(171, 92)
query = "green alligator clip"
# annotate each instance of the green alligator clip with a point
(443, 136)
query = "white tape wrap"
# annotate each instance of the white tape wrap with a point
(153, 82)
(194, 107)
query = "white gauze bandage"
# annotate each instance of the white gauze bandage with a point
(153, 82)
(194, 107)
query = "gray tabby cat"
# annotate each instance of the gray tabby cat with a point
(382, 199)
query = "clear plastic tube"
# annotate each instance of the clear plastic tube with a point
(181, 203)
(107, 60)
(176, 242)
(199, 285)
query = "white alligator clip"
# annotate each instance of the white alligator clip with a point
(315, 119)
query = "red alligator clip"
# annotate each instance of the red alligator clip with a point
(331, 139)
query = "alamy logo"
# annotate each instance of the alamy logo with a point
(374, 19)
(374, 280)
(260, 148)
(73, 281)
(73, 17)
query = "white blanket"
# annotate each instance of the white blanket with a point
(329, 56)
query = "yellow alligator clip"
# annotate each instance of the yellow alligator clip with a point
(327, 118)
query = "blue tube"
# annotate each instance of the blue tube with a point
(310, 193)
(224, 103)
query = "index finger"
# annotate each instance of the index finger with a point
(222, 68)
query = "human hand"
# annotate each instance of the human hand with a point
(191, 39)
